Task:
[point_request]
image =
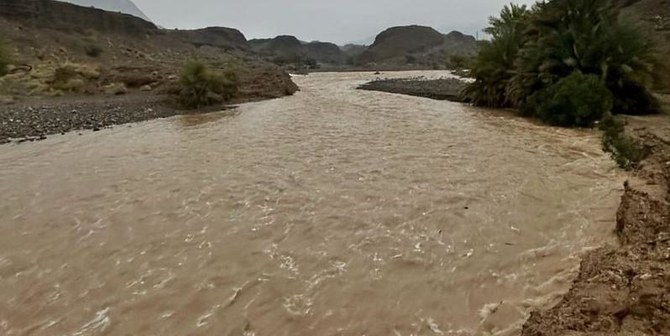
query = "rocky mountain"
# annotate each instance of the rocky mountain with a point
(416, 45)
(354, 50)
(285, 47)
(325, 52)
(122, 6)
(401, 41)
(117, 48)
(289, 50)
(655, 16)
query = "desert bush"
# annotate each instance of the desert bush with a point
(576, 100)
(64, 73)
(93, 50)
(4, 59)
(201, 87)
(410, 59)
(457, 62)
(311, 63)
(627, 151)
(73, 77)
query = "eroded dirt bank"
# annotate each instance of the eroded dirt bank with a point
(625, 290)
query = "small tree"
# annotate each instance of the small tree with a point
(201, 87)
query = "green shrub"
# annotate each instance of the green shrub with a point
(627, 151)
(576, 100)
(457, 62)
(93, 50)
(4, 60)
(201, 87)
(64, 74)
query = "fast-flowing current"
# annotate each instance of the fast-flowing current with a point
(330, 212)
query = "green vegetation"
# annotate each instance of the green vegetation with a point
(93, 50)
(627, 151)
(492, 68)
(537, 56)
(570, 63)
(73, 77)
(457, 62)
(201, 87)
(576, 100)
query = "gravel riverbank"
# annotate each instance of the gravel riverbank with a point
(36, 118)
(441, 89)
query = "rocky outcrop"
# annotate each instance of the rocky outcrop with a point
(218, 37)
(459, 42)
(325, 52)
(417, 45)
(397, 42)
(286, 49)
(354, 50)
(281, 46)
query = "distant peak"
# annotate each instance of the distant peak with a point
(123, 6)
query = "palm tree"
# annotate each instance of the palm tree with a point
(587, 36)
(493, 65)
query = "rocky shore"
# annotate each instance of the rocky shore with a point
(625, 290)
(440, 89)
(35, 119)
(29, 118)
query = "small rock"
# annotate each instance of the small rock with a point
(146, 88)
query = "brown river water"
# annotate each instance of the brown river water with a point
(331, 212)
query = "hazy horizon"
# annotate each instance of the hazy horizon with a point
(346, 21)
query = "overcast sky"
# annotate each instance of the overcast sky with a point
(340, 21)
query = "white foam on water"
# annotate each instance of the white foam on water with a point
(97, 325)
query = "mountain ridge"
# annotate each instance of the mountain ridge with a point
(122, 6)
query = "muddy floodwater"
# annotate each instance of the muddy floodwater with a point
(331, 212)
